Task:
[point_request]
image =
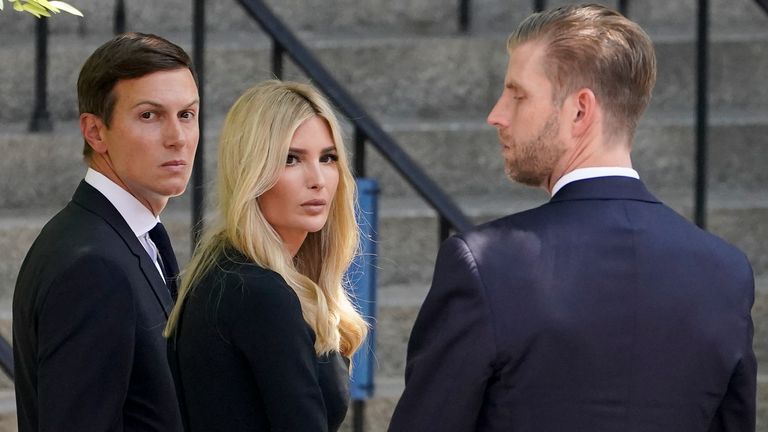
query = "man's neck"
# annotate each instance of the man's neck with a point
(593, 154)
(104, 166)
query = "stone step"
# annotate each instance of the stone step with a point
(366, 16)
(7, 411)
(461, 156)
(378, 410)
(402, 76)
(760, 321)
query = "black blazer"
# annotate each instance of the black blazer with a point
(600, 311)
(244, 357)
(88, 315)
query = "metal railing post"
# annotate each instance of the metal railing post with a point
(464, 16)
(119, 24)
(624, 7)
(41, 118)
(444, 229)
(359, 138)
(198, 174)
(277, 59)
(702, 69)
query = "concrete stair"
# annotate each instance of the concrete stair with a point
(431, 89)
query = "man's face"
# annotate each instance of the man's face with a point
(151, 141)
(527, 120)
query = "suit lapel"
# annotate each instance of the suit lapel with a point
(605, 188)
(92, 200)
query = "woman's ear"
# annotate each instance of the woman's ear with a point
(92, 127)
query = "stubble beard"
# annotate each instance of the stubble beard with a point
(531, 162)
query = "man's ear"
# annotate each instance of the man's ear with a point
(92, 128)
(584, 111)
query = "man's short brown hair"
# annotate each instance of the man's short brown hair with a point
(126, 56)
(591, 46)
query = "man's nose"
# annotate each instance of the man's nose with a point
(176, 133)
(495, 117)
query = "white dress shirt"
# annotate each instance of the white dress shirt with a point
(593, 172)
(138, 217)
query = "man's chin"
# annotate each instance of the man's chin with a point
(524, 178)
(173, 191)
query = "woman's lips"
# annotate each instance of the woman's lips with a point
(314, 206)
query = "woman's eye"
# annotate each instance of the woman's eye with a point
(291, 160)
(329, 158)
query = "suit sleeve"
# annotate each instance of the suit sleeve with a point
(451, 349)
(270, 331)
(736, 412)
(86, 339)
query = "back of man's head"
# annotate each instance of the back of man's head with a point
(591, 46)
(126, 56)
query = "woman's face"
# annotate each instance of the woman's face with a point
(300, 200)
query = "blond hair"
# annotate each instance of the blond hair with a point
(591, 46)
(253, 148)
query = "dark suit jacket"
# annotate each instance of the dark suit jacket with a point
(88, 315)
(600, 311)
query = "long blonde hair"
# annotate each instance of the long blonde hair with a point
(253, 149)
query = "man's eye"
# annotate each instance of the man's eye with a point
(147, 115)
(189, 115)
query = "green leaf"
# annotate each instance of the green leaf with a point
(17, 6)
(65, 7)
(45, 4)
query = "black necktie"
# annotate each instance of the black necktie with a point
(168, 263)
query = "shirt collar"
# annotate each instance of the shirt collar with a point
(593, 172)
(138, 217)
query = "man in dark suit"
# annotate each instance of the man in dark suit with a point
(602, 310)
(95, 289)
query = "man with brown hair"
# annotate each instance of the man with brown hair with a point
(95, 289)
(602, 310)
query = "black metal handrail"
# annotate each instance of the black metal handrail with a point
(763, 4)
(366, 129)
(702, 115)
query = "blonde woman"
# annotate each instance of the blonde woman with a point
(262, 332)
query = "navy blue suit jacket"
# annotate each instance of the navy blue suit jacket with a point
(88, 315)
(600, 311)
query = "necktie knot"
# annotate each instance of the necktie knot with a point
(168, 263)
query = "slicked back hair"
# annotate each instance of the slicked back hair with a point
(591, 46)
